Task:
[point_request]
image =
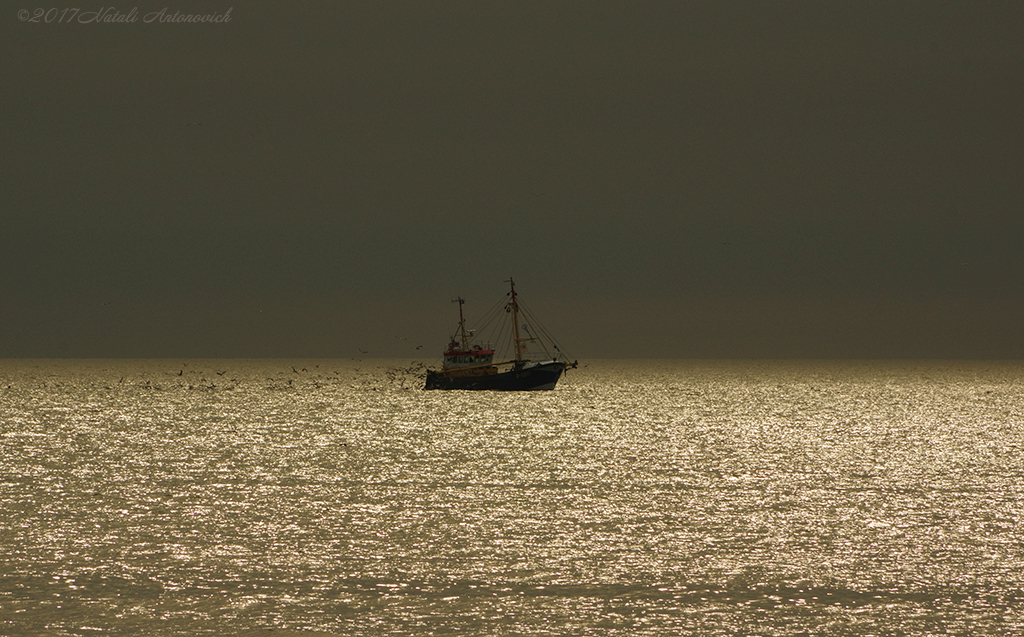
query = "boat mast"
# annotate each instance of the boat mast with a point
(462, 323)
(514, 306)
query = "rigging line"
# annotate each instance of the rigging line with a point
(558, 346)
(488, 317)
(528, 327)
(490, 320)
(536, 324)
(493, 328)
(542, 329)
(503, 337)
(508, 336)
(544, 332)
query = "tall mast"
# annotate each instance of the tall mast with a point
(462, 323)
(514, 306)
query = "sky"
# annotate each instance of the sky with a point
(727, 179)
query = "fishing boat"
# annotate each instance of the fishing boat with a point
(470, 365)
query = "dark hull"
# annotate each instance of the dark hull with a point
(532, 378)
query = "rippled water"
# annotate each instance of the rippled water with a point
(638, 498)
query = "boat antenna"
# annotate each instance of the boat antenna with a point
(462, 322)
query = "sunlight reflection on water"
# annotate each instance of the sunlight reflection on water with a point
(640, 497)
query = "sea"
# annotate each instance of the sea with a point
(310, 498)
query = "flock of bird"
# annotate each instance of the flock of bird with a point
(381, 377)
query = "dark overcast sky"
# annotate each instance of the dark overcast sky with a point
(663, 179)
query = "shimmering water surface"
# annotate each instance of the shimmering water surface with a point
(638, 498)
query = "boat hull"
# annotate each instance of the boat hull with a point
(537, 377)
